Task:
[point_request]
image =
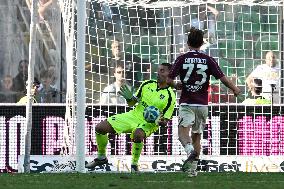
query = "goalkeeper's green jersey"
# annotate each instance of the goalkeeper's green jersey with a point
(150, 94)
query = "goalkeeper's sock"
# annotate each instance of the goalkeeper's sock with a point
(188, 148)
(102, 143)
(136, 151)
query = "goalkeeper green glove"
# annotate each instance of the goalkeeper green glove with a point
(126, 93)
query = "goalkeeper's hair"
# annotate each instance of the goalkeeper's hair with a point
(168, 65)
(195, 37)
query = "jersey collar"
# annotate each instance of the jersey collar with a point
(158, 89)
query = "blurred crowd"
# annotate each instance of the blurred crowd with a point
(49, 77)
(13, 89)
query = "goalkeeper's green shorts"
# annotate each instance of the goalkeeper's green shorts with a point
(128, 122)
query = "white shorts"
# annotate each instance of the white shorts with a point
(194, 116)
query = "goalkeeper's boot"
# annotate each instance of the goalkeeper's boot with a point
(187, 163)
(134, 169)
(96, 162)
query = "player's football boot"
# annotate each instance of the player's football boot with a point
(187, 163)
(192, 173)
(96, 162)
(134, 169)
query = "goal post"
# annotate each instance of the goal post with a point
(32, 46)
(74, 18)
(80, 88)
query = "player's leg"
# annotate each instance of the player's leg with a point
(201, 114)
(196, 141)
(137, 145)
(186, 121)
(120, 123)
(197, 130)
(143, 130)
(196, 138)
(102, 129)
(184, 138)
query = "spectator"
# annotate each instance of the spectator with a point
(53, 76)
(19, 82)
(47, 93)
(7, 94)
(110, 94)
(43, 6)
(206, 20)
(58, 81)
(269, 73)
(256, 97)
(133, 64)
(108, 17)
(34, 93)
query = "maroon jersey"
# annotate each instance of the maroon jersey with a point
(194, 69)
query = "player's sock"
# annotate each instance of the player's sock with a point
(192, 172)
(102, 143)
(188, 148)
(194, 165)
(136, 151)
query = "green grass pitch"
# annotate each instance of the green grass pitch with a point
(176, 180)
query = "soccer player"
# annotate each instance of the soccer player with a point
(150, 93)
(194, 69)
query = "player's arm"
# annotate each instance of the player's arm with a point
(213, 10)
(176, 85)
(228, 83)
(162, 121)
(218, 74)
(128, 95)
(174, 72)
(170, 82)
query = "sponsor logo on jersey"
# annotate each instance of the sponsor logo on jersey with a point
(162, 96)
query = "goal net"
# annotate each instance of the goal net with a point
(140, 35)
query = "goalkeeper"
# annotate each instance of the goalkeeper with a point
(150, 93)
